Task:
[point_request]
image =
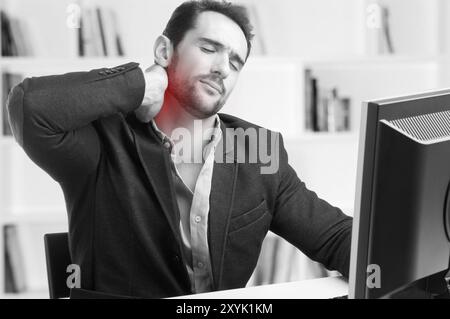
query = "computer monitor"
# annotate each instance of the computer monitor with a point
(401, 226)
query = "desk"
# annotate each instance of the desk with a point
(322, 288)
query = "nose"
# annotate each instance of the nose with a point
(221, 65)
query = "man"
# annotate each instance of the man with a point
(142, 222)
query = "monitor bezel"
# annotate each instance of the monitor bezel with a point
(371, 114)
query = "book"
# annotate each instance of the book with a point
(112, 36)
(322, 110)
(20, 37)
(379, 30)
(98, 34)
(81, 51)
(264, 267)
(325, 109)
(332, 108)
(314, 102)
(342, 115)
(117, 36)
(284, 262)
(24, 245)
(15, 262)
(308, 100)
(9, 47)
(9, 80)
(276, 271)
(386, 30)
(101, 30)
(14, 37)
(9, 285)
(88, 33)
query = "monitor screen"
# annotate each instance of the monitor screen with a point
(401, 227)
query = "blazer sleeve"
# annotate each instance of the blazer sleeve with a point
(52, 116)
(318, 229)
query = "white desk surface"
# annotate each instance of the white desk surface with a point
(322, 288)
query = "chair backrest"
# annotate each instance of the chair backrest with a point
(57, 255)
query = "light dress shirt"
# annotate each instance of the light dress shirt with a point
(193, 205)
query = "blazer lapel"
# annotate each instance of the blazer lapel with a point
(155, 161)
(221, 199)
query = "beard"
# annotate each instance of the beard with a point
(196, 97)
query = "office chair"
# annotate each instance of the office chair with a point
(57, 256)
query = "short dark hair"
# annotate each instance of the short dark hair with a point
(184, 17)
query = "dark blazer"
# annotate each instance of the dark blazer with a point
(122, 213)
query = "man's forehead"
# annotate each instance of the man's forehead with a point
(221, 29)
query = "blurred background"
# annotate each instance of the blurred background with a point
(314, 62)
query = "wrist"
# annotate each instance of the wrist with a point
(156, 82)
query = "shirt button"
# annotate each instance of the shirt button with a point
(198, 219)
(166, 144)
(200, 264)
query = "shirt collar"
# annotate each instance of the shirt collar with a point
(215, 136)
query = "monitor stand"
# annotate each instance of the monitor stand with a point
(432, 287)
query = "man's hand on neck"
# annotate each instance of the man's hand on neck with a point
(167, 112)
(156, 82)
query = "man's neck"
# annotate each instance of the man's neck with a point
(173, 116)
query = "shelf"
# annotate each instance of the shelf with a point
(26, 295)
(345, 61)
(35, 218)
(358, 59)
(61, 60)
(381, 59)
(7, 140)
(319, 137)
(24, 64)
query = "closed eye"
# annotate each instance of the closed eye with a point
(207, 50)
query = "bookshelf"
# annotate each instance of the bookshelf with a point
(330, 38)
(26, 295)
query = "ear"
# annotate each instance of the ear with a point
(163, 51)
